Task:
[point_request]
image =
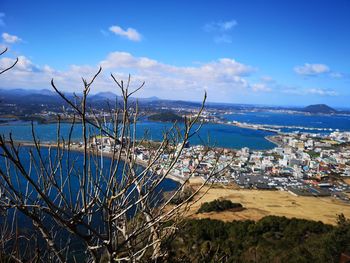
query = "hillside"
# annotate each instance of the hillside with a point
(271, 239)
(319, 108)
(165, 117)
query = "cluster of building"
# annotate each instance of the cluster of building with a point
(193, 161)
(302, 163)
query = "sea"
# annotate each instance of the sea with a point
(218, 135)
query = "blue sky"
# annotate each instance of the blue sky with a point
(266, 52)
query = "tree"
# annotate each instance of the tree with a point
(110, 209)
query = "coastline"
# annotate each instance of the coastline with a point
(271, 139)
(105, 154)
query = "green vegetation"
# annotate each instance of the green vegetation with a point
(272, 239)
(276, 156)
(180, 196)
(218, 206)
(166, 116)
(313, 154)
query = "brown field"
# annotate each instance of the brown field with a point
(262, 203)
(347, 180)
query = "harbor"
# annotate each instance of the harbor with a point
(275, 128)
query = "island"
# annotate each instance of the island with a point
(319, 109)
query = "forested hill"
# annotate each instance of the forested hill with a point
(166, 116)
(271, 239)
(319, 108)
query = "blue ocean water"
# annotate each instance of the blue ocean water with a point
(74, 158)
(69, 187)
(218, 135)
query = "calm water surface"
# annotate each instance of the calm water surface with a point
(219, 135)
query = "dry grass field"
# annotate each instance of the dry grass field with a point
(262, 203)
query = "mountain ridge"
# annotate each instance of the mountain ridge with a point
(45, 96)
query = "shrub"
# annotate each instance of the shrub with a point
(218, 206)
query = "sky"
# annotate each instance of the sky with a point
(255, 52)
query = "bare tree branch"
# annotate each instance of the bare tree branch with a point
(107, 201)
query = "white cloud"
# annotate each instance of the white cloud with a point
(311, 69)
(261, 87)
(129, 33)
(126, 60)
(2, 22)
(311, 91)
(23, 64)
(336, 75)
(10, 38)
(222, 78)
(321, 92)
(220, 26)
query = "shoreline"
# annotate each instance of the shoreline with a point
(271, 139)
(105, 154)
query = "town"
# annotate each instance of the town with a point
(305, 164)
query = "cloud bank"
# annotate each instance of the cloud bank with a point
(311, 69)
(129, 33)
(225, 79)
(222, 78)
(10, 39)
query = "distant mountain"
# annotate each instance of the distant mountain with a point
(319, 108)
(28, 95)
(149, 99)
(27, 99)
(45, 92)
(103, 96)
(24, 92)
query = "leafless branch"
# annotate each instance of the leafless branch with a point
(108, 201)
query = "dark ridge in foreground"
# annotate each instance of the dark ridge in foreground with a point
(271, 239)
